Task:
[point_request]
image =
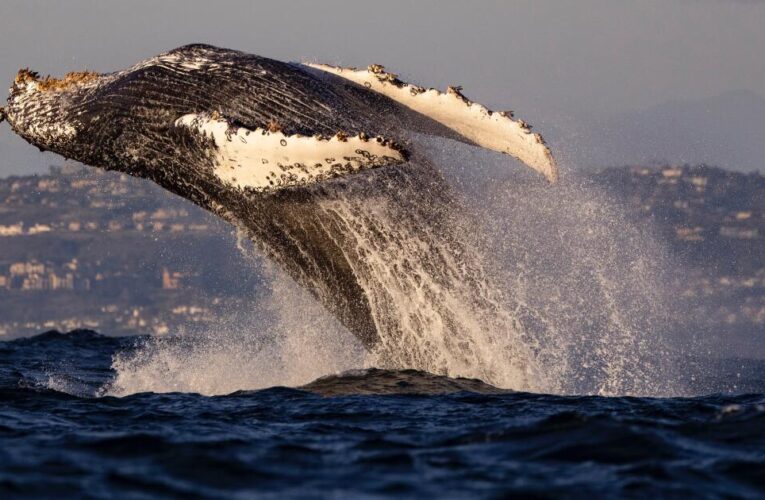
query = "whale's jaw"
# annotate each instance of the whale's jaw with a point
(42, 110)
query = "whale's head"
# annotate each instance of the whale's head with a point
(44, 111)
(106, 121)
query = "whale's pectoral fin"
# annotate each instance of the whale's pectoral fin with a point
(472, 122)
(265, 159)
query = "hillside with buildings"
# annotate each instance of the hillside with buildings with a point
(86, 248)
(714, 222)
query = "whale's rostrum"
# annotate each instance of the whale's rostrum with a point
(315, 163)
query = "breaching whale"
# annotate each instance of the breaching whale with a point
(317, 164)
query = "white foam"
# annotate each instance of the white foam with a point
(267, 346)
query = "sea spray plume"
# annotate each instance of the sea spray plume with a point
(588, 285)
(264, 346)
(337, 195)
(593, 281)
(591, 286)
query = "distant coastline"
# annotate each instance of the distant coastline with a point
(81, 248)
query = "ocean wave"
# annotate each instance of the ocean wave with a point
(364, 432)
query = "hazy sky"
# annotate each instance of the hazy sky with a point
(561, 65)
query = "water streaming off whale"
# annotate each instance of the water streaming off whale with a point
(520, 284)
(515, 283)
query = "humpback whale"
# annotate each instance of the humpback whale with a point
(319, 165)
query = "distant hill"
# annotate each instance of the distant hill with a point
(727, 130)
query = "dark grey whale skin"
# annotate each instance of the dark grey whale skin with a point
(125, 122)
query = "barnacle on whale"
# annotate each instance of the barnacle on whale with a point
(273, 126)
(57, 84)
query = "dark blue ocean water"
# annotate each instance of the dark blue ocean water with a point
(455, 439)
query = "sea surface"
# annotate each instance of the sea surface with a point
(367, 433)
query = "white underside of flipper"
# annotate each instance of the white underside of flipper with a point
(264, 160)
(493, 130)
